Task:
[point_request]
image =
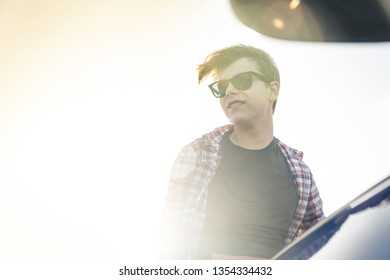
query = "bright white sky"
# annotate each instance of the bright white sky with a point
(97, 98)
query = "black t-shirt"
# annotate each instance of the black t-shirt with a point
(251, 202)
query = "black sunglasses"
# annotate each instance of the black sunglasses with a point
(241, 81)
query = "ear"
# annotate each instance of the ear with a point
(274, 91)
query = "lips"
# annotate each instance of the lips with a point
(234, 103)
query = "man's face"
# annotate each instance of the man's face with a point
(252, 106)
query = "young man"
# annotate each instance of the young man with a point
(238, 192)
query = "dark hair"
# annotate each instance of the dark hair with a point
(219, 60)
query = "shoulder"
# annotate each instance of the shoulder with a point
(208, 141)
(289, 151)
(295, 161)
(204, 148)
(212, 138)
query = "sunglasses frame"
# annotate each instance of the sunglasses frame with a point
(219, 94)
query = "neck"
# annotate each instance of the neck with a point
(255, 138)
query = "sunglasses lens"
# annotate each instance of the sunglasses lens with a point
(219, 88)
(242, 81)
(222, 86)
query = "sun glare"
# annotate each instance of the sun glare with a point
(278, 23)
(294, 4)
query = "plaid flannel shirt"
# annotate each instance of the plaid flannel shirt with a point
(186, 203)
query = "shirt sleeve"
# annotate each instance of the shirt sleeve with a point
(181, 178)
(314, 212)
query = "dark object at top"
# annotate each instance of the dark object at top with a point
(317, 20)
